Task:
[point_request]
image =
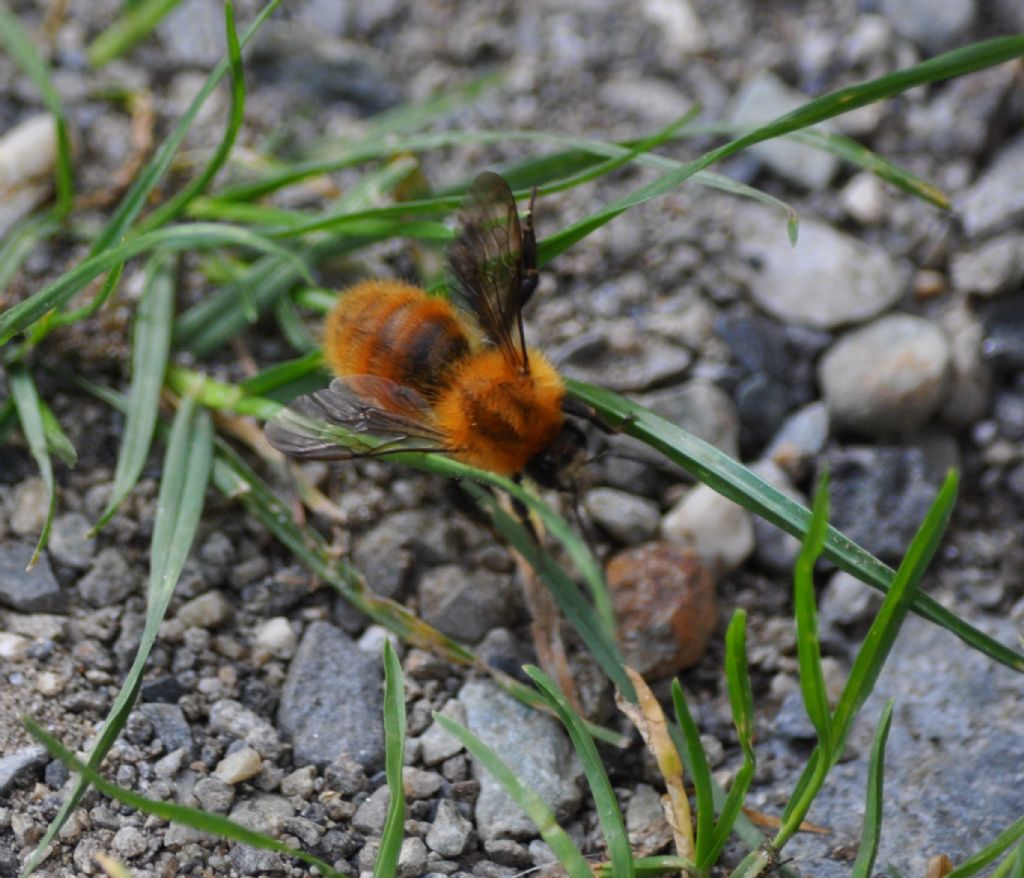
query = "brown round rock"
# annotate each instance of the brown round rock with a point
(664, 599)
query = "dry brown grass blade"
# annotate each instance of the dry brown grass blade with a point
(141, 106)
(649, 719)
(771, 821)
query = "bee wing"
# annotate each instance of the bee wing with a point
(328, 424)
(486, 260)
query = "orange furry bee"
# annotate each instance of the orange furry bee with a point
(419, 373)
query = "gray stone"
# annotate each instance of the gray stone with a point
(17, 766)
(263, 812)
(371, 815)
(719, 529)
(949, 700)
(933, 26)
(192, 33)
(701, 408)
(653, 100)
(625, 517)
(887, 378)
(536, 749)
(467, 605)
(996, 198)
(412, 858)
(33, 591)
(880, 496)
(800, 439)
(420, 784)
(436, 745)
(332, 700)
(242, 724)
(765, 97)
(207, 610)
(622, 359)
(109, 580)
(69, 541)
(827, 280)
(129, 841)
(991, 267)
(775, 549)
(970, 382)
(1003, 342)
(847, 601)
(450, 832)
(169, 725)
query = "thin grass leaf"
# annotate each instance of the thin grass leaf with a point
(151, 344)
(1012, 835)
(812, 678)
(648, 867)
(733, 480)
(394, 747)
(607, 805)
(26, 400)
(236, 115)
(741, 700)
(127, 31)
(282, 374)
(183, 483)
(870, 658)
(202, 820)
(531, 803)
(580, 615)
(8, 418)
(293, 329)
(57, 441)
(21, 240)
(697, 765)
(952, 64)
(155, 169)
(872, 829)
(1018, 863)
(22, 50)
(56, 318)
(193, 236)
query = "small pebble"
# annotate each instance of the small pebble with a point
(420, 784)
(238, 766)
(276, 637)
(450, 832)
(109, 581)
(717, 528)
(208, 610)
(626, 517)
(299, 783)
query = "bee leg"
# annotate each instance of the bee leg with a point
(578, 409)
(529, 255)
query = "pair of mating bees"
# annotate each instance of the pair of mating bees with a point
(417, 372)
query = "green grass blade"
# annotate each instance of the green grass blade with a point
(534, 806)
(1018, 863)
(283, 374)
(57, 441)
(577, 611)
(54, 319)
(26, 400)
(741, 700)
(867, 665)
(21, 240)
(155, 169)
(697, 765)
(394, 737)
(952, 64)
(151, 344)
(22, 50)
(1013, 834)
(293, 329)
(872, 830)
(201, 820)
(192, 236)
(812, 678)
(171, 208)
(733, 480)
(179, 507)
(607, 805)
(126, 32)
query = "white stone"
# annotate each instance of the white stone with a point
(718, 529)
(238, 766)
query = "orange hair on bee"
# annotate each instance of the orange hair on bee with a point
(495, 416)
(396, 331)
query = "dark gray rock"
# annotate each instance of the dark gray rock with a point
(1003, 342)
(32, 591)
(109, 580)
(19, 765)
(533, 745)
(332, 700)
(467, 605)
(169, 725)
(880, 496)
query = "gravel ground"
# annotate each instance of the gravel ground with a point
(886, 346)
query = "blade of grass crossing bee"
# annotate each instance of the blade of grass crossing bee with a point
(151, 344)
(864, 865)
(735, 481)
(179, 508)
(30, 415)
(394, 737)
